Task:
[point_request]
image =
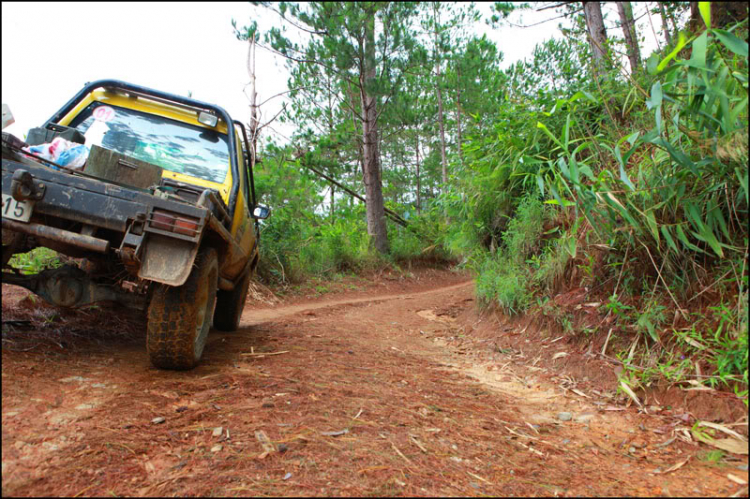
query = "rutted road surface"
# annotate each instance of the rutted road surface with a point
(367, 396)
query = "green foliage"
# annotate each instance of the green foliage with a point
(502, 277)
(634, 187)
(35, 260)
(502, 283)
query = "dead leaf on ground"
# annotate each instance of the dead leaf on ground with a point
(579, 392)
(675, 467)
(335, 433)
(729, 444)
(736, 479)
(629, 391)
(265, 442)
(722, 428)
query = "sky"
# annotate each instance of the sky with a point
(50, 50)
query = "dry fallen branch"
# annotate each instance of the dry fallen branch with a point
(416, 442)
(261, 354)
(400, 453)
(675, 467)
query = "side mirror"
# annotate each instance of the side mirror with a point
(261, 212)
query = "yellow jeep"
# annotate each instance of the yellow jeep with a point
(163, 212)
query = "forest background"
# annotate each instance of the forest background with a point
(586, 168)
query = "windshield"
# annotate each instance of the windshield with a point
(170, 144)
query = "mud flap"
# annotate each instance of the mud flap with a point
(167, 260)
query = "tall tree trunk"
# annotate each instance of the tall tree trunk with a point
(330, 137)
(592, 12)
(631, 37)
(333, 198)
(696, 22)
(439, 96)
(376, 227)
(419, 187)
(253, 146)
(458, 112)
(664, 23)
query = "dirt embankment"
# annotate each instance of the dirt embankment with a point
(397, 388)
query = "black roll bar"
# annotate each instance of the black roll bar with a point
(185, 101)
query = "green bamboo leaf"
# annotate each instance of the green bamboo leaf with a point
(624, 176)
(618, 206)
(546, 130)
(651, 222)
(677, 155)
(684, 240)
(705, 10)
(698, 57)
(558, 200)
(731, 42)
(581, 94)
(570, 246)
(565, 202)
(681, 42)
(540, 183)
(668, 238)
(656, 96)
(742, 177)
(707, 236)
(694, 216)
(704, 232)
(717, 216)
(574, 171)
(563, 167)
(735, 113)
(585, 170)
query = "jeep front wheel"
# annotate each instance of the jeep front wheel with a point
(179, 317)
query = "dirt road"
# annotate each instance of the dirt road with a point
(381, 394)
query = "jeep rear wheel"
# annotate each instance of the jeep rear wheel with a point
(179, 317)
(229, 305)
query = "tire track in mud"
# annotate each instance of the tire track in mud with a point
(261, 315)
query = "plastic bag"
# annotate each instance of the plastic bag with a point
(63, 152)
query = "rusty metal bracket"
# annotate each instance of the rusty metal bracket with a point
(132, 244)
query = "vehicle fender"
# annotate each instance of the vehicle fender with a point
(167, 260)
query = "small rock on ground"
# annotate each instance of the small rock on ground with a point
(158, 420)
(564, 416)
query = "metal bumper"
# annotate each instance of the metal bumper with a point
(59, 235)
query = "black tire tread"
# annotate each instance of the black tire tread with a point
(172, 316)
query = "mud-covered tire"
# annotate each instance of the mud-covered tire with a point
(229, 305)
(179, 317)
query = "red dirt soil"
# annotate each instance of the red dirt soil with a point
(400, 388)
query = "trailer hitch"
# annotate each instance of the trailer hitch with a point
(23, 186)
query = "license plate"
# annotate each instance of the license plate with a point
(16, 210)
